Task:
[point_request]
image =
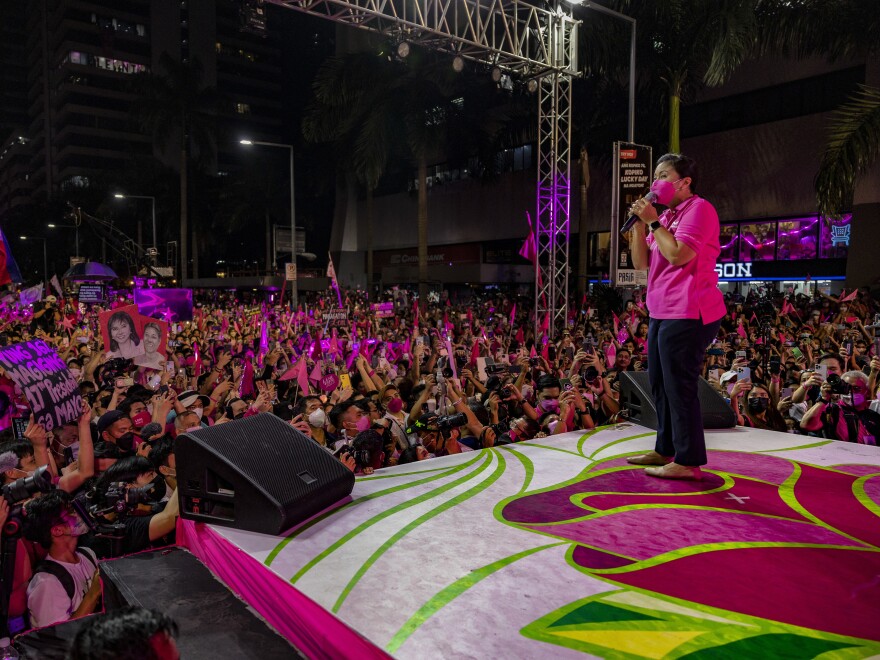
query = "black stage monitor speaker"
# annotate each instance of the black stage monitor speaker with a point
(258, 474)
(635, 397)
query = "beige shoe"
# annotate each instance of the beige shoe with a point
(675, 471)
(651, 458)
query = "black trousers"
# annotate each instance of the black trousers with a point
(676, 348)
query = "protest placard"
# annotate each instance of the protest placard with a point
(335, 318)
(120, 332)
(155, 342)
(382, 310)
(47, 383)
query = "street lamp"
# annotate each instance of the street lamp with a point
(45, 257)
(631, 124)
(153, 205)
(289, 147)
(74, 227)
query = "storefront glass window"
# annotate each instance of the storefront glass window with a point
(758, 242)
(798, 239)
(729, 244)
(834, 238)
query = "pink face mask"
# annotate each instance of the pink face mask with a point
(395, 405)
(664, 190)
(363, 424)
(141, 419)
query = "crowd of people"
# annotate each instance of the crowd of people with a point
(377, 387)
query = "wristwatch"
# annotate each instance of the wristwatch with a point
(654, 226)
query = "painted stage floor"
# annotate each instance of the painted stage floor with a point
(559, 548)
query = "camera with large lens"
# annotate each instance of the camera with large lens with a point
(449, 422)
(26, 487)
(19, 491)
(838, 385)
(120, 499)
(505, 392)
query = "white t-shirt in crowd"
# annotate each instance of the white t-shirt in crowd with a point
(875, 406)
(47, 599)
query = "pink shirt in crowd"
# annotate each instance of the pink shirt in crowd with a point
(689, 291)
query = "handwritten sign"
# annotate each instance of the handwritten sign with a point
(46, 381)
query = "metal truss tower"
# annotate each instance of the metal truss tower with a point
(521, 39)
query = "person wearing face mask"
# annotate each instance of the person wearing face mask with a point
(66, 585)
(760, 410)
(138, 412)
(312, 410)
(348, 419)
(396, 414)
(686, 309)
(116, 438)
(195, 403)
(843, 411)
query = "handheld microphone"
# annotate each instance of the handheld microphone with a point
(633, 219)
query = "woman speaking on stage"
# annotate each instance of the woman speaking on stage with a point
(679, 248)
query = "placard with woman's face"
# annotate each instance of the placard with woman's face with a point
(120, 332)
(155, 341)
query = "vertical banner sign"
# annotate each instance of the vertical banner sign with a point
(47, 383)
(631, 180)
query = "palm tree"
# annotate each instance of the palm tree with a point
(836, 29)
(373, 108)
(175, 104)
(681, 43)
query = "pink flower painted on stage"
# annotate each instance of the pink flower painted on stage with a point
(760, 535)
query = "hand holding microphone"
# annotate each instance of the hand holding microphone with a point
(637, 208)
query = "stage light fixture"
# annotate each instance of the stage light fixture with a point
(403, 49)
(458, 64)
(496, 74)
(532, 86)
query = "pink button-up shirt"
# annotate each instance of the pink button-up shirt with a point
(689, 291)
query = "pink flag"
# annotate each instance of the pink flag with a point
(529, 249)
(475, 351)
(851, 296)
(610, 356)
(741, 331)
(512, 313)
(616, 323)
(533, 353)
(302, 378)
(317, 373)
(520, 336)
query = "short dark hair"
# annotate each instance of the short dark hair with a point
(833, 356)
(163, 447)
(304, 402)
(340, 409)
(547, 381)
(21, 448)
(122, 633)
(125, 469)
(683, 166)
(42, 514)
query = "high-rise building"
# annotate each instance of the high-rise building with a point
(66, 93)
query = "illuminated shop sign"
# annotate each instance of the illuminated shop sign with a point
(734, 270)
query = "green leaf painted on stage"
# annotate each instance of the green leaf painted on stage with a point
(783, 645)
(596, 612)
